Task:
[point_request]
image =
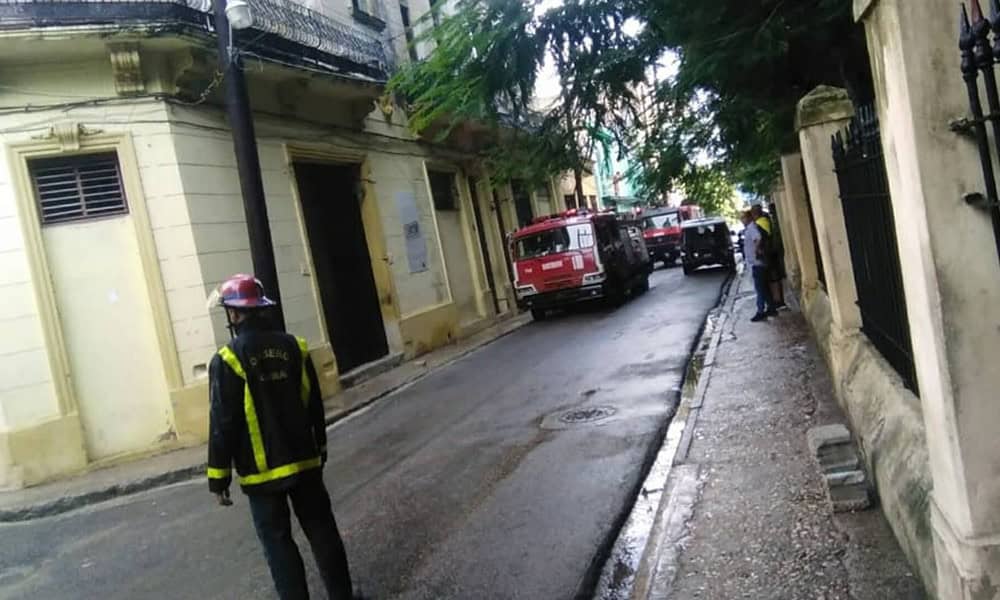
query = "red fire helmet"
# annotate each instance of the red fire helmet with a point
(243, 291)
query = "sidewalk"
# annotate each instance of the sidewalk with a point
(179, 465)
(745, 513)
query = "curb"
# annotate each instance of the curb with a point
(69, 503)
(678, 442)
(650, 491)
(66, 504)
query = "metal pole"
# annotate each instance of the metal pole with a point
(247, 162)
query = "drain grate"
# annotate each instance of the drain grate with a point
(587, 415)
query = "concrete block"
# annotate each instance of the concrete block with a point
(850, 498)
(845, 481)
(827, 435)
(845, 478)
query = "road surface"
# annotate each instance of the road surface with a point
(485, 479)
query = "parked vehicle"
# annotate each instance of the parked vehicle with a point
(706, 242)
(661, 228)
(576, 256)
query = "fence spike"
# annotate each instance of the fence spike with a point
(977, 12)
(995, 22)
(966, 42)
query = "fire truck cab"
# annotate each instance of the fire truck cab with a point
(577, 256)
(661, 228)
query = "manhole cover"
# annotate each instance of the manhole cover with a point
(587, 415)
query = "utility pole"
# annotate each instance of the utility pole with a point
(247, 160)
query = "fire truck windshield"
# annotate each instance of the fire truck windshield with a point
(664, 221)
(555, 241)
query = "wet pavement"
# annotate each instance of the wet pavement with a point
(504, 475)
(749, 517)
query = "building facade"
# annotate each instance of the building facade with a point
(121, 210)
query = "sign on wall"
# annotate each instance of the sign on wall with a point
(416, 246)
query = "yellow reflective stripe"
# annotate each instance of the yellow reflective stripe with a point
(304, 348)
(214, 473)
(280, 472)
(229, 357)
(253, 426)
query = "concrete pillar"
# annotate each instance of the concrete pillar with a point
(794, 214)
(951, 276)
(822, 113)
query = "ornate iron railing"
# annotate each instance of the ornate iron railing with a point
(331, 41)
(978, 55)
(871, 235)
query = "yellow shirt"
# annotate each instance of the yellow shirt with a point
(764, 223)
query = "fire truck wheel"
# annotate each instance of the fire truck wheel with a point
(538, 314)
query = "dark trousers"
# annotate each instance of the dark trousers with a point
(760, 286)
(273, 522)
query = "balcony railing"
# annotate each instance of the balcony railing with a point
(328, 41)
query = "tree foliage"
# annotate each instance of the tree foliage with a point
(721, 118)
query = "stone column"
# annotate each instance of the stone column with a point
(822, 113)
(794, 214)
(951, 275)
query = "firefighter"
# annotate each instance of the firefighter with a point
(266, 419)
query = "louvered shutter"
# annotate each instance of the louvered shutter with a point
(78, 187)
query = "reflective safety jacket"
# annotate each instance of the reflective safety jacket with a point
(266, 416)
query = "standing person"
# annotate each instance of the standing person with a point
(266, 418)
(776, 263)
(754, 254)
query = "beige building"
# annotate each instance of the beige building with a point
(899, 276)
(567, 189)
(120, 211)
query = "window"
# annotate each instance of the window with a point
(570, 200)
(369, 12)
(555, 241)
(443, 190)
(411, 44)
(661, 221)
(78, 187)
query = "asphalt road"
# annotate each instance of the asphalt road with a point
(467, 484)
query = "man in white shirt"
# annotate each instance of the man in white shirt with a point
(755, 256)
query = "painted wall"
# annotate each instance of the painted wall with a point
(181, 162)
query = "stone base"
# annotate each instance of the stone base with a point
(45, 451)
(967, 569)
(888, 425)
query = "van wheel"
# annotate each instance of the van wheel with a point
(615, 294)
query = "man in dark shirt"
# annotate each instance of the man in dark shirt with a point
(267, 419)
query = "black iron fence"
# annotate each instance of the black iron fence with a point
(871, 234)
(979, 55)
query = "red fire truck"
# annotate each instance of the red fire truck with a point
(661, 228)
(576, 256)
